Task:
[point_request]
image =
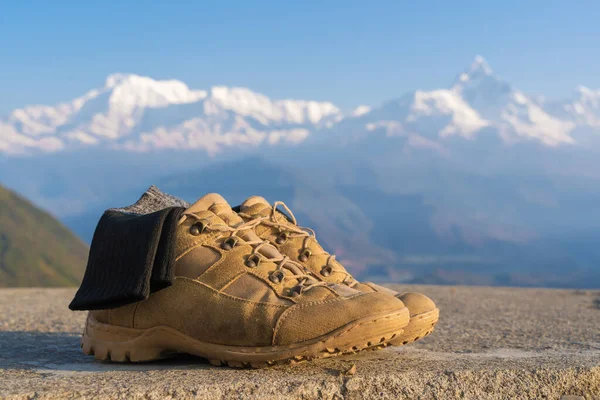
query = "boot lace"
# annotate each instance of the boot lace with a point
(292, 231)
(286, 268)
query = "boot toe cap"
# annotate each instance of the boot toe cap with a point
(304, 322)
(417, 303)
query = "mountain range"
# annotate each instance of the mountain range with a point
(136, 113)
(477, 182)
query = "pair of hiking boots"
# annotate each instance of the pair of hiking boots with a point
(242, 287)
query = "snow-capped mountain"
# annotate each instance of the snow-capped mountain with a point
(476, 103)
(138, 113)
(515, 115)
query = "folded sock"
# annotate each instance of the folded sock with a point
(131, 256)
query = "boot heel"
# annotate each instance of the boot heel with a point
(114, 343)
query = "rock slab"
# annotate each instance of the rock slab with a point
(490, 343)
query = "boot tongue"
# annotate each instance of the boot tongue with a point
(216, 204)
(204, 203)
(256, 205)
(204, 207)
(224, 211)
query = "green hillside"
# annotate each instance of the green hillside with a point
(36, 249)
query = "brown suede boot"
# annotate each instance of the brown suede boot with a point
(235, 300)
(300, 245)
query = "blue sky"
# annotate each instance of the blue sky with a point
(348, 52)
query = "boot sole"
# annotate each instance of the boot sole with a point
(120, 344)
(420, 325)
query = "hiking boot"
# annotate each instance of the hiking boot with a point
(236, 300)
(300, 244)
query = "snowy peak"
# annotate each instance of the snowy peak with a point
(463, 120)
(360, 110)
(478, 71)
(477, 101)
(133, 91)
(514, 115)
(588, 98)
(480, 67)
(585, 107)
(585, 91)
(248, 103)
(118, 79)
(479, 77)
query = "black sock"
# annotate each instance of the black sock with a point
(131, 256)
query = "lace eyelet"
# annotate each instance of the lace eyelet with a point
(304, 256)
(282, 238)
(326, 270)
(253, 261)
(276, 277)
(197, 228)
(296, 291)
(229, 243)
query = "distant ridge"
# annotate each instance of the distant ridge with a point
(36, 249)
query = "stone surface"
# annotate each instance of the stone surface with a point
(490, 343)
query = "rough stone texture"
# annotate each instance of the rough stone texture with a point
(490, 343)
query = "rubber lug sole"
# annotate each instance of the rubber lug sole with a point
(420, 325)
(120, 344)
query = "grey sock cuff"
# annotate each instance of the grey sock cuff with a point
(151, 201)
